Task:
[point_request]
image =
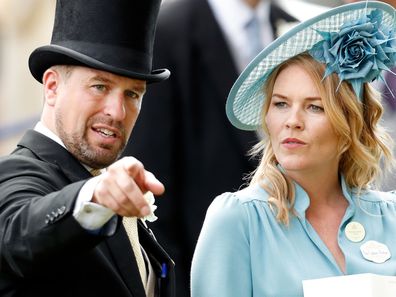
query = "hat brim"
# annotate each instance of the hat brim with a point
(47, 56)
(246, 97)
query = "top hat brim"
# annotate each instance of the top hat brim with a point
(50, 55)
(246, 97)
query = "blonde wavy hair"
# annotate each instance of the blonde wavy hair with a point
(363, 145)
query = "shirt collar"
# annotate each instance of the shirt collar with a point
(40, 127)
(236, 14)
(302, 199)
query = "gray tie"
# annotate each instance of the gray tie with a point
(253, 32)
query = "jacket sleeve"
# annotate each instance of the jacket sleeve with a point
(36, 222)
(221, 262)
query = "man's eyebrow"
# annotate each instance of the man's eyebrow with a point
(139, 88)
(100, 79)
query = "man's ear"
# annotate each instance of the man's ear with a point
(51, 82)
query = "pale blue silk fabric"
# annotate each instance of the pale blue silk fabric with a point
(243, 251)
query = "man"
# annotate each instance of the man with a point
(195, 151)
(64, 232)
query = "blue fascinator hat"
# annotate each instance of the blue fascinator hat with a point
(357, 41)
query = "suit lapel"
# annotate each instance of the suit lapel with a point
(278, 15)
(127, 265)
(162, 264)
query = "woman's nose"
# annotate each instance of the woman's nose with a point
(295, 119)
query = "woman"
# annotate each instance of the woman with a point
(309, 211)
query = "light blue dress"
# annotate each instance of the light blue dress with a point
(243, 251)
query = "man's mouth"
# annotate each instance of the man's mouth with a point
(105, 132)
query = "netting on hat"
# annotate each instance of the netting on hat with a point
(246, 98)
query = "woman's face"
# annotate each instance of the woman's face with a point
(300, 132)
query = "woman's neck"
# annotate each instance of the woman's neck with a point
(321, 187)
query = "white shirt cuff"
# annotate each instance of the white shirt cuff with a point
(89, 215)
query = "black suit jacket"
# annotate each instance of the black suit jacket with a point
(43, 249)
(192, 147)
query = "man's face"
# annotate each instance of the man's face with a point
(94, 113)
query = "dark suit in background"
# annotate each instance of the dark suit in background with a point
(182, 134)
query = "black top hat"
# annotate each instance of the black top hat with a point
(112, 35)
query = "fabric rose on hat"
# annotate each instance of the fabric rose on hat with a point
(359, 52)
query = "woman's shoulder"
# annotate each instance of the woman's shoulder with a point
(246, 195)
(232, 211)
(236, 203)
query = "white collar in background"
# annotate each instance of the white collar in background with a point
(235, 14)
(232, 17)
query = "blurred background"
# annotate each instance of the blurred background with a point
(27, 24)
(24, 25)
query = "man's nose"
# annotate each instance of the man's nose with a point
(115, 107)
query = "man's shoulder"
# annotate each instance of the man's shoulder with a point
(23, 162)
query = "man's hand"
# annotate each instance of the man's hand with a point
(122, 186)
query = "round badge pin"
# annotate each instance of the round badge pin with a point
(375, 251)
(355, 232)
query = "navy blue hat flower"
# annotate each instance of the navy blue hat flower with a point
(357, 41)
(359, 52)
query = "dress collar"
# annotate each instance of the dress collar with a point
(302, 201)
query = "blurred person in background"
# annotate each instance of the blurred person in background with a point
(193, 149)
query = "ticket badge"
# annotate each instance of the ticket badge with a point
(355, 232)
(375, 251)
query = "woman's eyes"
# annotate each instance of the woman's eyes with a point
(316, 108)
(280, 104)
(312, 107)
